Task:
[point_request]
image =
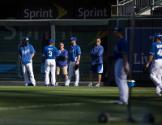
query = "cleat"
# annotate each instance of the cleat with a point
(97, 85)
(158, 94)
(46, 85)
(90, 84)
(30, 84)
(53, 85)
(57, 84)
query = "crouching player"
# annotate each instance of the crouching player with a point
(97, 62)
(61, 62)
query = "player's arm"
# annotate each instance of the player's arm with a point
(20, 54)
(100, 52)
(78, 56)
(32, 51)
(66, 55)
(125, 57)
(151, 56)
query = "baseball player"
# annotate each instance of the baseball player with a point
(121, 68)
(26, 54)
(50, 52)
(62, 63)
(74, 57)
(155, 57)
(97, 61)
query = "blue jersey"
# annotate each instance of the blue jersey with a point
(74, 52)
(97, 55)
(62, 58)
(121, 48)
(26, 53)
(156, 50)
(50, 52)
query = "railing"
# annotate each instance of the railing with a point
(136, 7)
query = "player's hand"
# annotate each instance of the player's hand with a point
(146, 68)
(77, 62)
(127, 68)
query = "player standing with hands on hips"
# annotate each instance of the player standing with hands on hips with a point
(50, 52)
(155, 57)
(121, 68)
(26, 54)
(74, 57)
(97, 61)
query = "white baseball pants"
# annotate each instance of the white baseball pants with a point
(156, 74)
(28, 74)
(72, 71)
(50, 67)
(121, 80)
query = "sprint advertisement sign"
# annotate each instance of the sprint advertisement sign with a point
(66, 10)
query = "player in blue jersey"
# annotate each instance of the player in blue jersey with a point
(97, 61)
(74, 58)
(26, 54)
(50, 52)
(62, 62)
(121, 68)
(155, 57)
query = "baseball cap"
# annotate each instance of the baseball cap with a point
(157, 35)
(26, 38)
(73, 38)
(51, 41)
(118, 29)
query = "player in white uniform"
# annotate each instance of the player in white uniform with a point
(50, 52)
(155, 57)
(26, 54)
(121, 69)
(74, 57)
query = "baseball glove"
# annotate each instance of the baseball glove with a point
(145, 69)
(76, 66)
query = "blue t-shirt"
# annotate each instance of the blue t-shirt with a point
(156, 50)
(25, 53)
(50, 52)
(74, 52)
(97, 55)
(121, 48)
(62, 58)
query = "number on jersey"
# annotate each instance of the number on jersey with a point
(159, 52)
(50, 53)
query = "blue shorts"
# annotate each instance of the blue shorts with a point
(98, 68)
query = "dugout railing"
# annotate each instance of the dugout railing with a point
(137, 30)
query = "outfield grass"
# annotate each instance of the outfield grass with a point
(72, 105)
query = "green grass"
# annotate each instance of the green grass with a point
(73, 105)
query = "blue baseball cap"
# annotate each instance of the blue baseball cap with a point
(118, 29)
(51, 41)
(73, 38)
(157, 35)
(26, 38)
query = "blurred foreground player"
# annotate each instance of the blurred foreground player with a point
(26, 54)
(121, 68)
(97, 61)
(155, 59)
(62, 63)
(74, 57)
(50, 52)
